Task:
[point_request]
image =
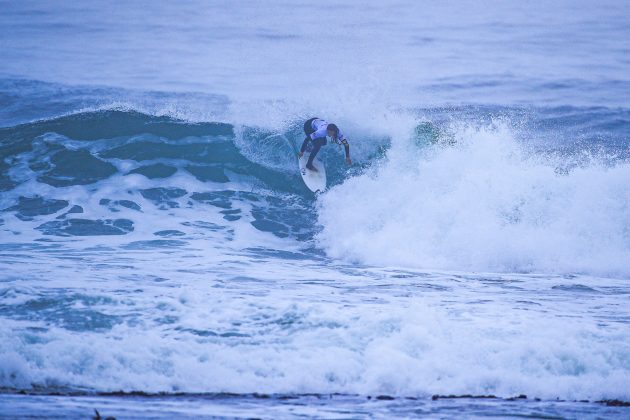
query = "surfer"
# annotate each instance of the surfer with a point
(316, 131)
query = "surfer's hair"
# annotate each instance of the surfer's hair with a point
(333, 128)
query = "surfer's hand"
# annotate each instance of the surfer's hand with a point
(348, 161)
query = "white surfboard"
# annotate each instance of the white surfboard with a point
(315, 181)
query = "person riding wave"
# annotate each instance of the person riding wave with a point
(316, 131)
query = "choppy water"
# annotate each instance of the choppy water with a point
(155, 235)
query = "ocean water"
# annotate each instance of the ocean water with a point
(160, 256)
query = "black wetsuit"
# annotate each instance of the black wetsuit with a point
(317, 142)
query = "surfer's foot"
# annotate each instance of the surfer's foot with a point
(311, 168)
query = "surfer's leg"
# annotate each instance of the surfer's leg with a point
(305, 144)
(317, 144)
(308, 130)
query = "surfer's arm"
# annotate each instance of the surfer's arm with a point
(346, 146)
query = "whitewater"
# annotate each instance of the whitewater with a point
(161, 257)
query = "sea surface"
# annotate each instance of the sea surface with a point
(160, 256)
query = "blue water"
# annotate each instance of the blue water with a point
(156, 237)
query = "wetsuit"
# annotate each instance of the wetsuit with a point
(315, 130)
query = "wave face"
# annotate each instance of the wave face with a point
(110, 172)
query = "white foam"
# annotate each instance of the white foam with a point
(325, 338)
(482, 204)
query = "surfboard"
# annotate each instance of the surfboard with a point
(315, 181)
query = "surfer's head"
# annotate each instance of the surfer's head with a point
(332, 130)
